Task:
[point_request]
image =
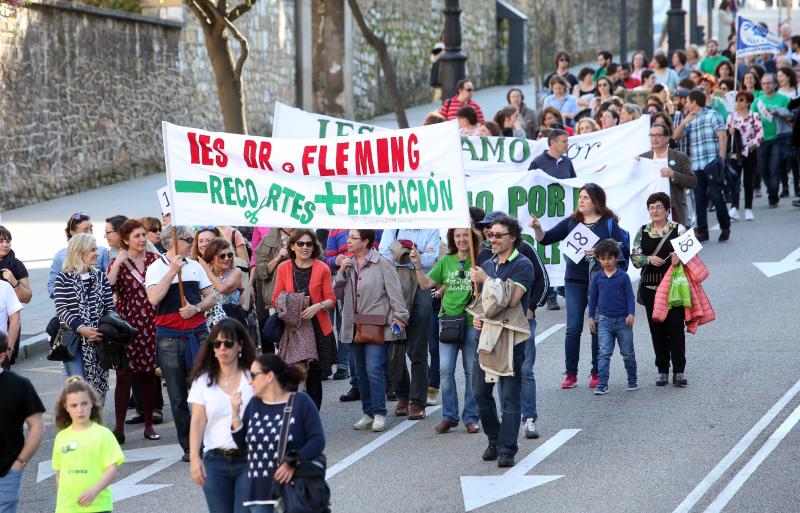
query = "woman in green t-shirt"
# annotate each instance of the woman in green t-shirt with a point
(452, 271)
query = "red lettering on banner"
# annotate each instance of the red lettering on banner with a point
(398, 161)
(201, 149)
(194, 148)
(323, 154)
(222, 158)
(341, 158)
(363, 158)
(264, 153)
(308, 158)
(413, 154)
(383, 155)
(249, 153)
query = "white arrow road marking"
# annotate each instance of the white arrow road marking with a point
(789, 263)
(541, 337)
(739, 479)
(482, 490)
(165, 455)
(373, 445)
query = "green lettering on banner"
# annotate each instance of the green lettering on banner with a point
(323, 127)
(433, 198)
(537, 201)
(380, 199)
(526, 150)
(215, 184)
(340, 126)
(365, 198)
(446, 190)
(352, 199)
(413, 204)
(499, 148)
(467, 145)
(423, 199)
(299, 201)
(252, 193)
(240, 200)
(403, 208)
(555, 254)
(485, 201)
(391, 206)
(516, 198)
(227, 182)
(365, 129)
(555, 200)
(273, 195)
(576, 194)
(330, 199)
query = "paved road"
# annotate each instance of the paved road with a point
(642, 451)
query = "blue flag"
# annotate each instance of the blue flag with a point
(755, 39)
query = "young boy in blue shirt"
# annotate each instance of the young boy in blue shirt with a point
(611, 287)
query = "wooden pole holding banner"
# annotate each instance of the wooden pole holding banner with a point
(472, 260)
(180, 277)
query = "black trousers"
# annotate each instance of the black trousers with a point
(669, 337)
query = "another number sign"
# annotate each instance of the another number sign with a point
(163, 199)
(577, 242)
(686, 246)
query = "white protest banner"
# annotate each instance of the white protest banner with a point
(578, 241)
(627, 186)
(686, 246)
(403, 178)
(589, 152)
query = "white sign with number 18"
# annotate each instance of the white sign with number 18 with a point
(686, 246)
(577, 242)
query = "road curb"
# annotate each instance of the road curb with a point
(34, 346)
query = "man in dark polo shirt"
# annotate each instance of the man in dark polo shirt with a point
(554, 161)
(506, 264)
(19, 404)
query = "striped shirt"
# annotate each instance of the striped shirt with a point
(82, 299)
(450, 108)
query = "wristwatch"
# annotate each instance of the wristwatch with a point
(197, 307)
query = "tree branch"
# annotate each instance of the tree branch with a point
(241, 9)
(245, 47)
(202, 15)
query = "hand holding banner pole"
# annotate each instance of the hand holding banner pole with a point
(472, 259)
(166, 208)
(180, 277)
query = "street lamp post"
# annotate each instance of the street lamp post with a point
(677, 32)
(623, 31)
(452, 63)
(694, 32)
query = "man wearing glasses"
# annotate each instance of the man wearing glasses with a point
(674, 165)
(462, 98)
(180, 321)
(506, 264)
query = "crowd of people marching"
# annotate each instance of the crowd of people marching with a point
(235, 321)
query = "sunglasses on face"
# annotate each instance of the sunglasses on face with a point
(206, 228)
(219, 343)
(187, 240)
(225, 256)
(305, 244)
(494, 235)
(469, 89)
(154, 229)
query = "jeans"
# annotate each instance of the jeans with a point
(172, 359)
(370, 365)
(502, 433)
(74, 367)
(528, 392)
(577, 298)
(608, 329)
(9, 491)
(261, 508)
(351, 361)
(415, 386)
(434, 376)
(706, 191)
(770, 157)
(342, 350)
(226, 483)
(448, 354)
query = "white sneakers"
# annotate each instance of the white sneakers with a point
(365, 423)
(433, 396)
(748, 214)
(376, 424)
(734, 213)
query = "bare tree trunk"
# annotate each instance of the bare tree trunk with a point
(390, 78)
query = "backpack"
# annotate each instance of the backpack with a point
(625, 244)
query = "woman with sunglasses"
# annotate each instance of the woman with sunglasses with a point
(222, 370)
(77, 223)
(368, 284)
(152, 226)
(592, 212)
(306, 273)
(279, 429)
(126, 277)
(217, 262)
(452, 271)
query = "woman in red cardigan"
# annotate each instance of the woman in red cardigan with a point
(304, 272)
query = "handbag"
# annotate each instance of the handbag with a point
(658, 248)
(307, 492)
(367, 329)
(452, 328)
(59, 352)
(273, 329)
(679, 291)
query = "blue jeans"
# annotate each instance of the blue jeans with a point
(434, 374)
(261, 508)
(448, 354)
(770, 157)
(74, 367)
(9, 491)
(577, 298)
(370, 365)
(172, 359)
(608, 329)
(706, 191)
(528, 392)
(226, 483)
(504, 433)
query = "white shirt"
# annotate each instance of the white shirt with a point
(189, 272)
(9, 304)
(217, 434)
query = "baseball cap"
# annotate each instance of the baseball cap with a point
(491, 217)
(681, 92)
